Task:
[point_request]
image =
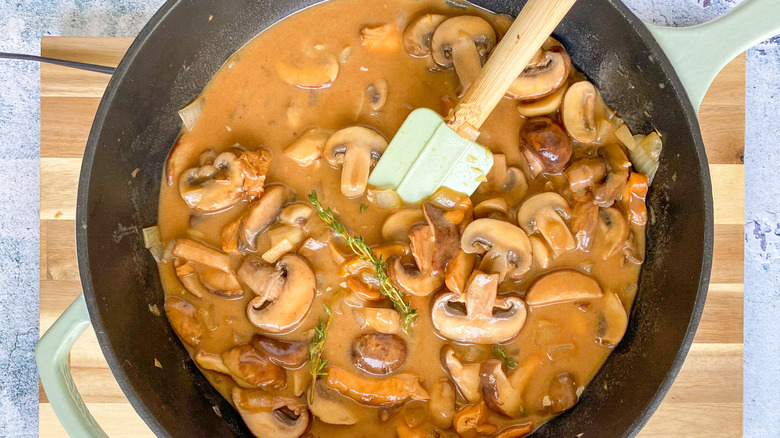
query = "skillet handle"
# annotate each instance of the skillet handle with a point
(699, 53)
(51, 355)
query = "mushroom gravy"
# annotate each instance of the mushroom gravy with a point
(522, 290)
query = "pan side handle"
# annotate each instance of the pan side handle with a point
(699, 53)
(51, 355)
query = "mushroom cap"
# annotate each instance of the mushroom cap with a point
(383, 320)
(504, 393)
(562, 286)
(461, 29)
(545, 213)
(612, 231)
(249, 366)
(398, 224)
(288, 354)
(545, 145)
(465, 376)
(562, 392)
(379, 353)
(262, 213)
(387, 392)
(418, 35)
(312, 69)
(213, 187)
(286, 310)
(271, 416)
(498, 239)
(544, 106)
(578, 112)
(331, 407)
(543, 77)
(613, 321)
(356, 150)
(307, 148)
(184, 319)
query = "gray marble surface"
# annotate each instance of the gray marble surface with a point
(23, 23)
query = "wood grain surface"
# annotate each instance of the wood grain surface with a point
(705, 401)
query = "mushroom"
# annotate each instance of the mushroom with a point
(494, 208)
(220, 283)
(295, 214)
(197, 252)
(184, 320)
(504, 393)
(356, 149)
(613, 321)
(473, 418)
(465, 376)
(386, 392)
(378, 353)
(188, 278)
(288, 354)
(433, 246)
(217, 185)
(383, 38)
(585, 174)
(459, 270)
(545, 213)
(441, 406)
(501, 178)
(229, 237)
(262, 213)
(612, 231)
(397, 225)
(487, 319)
(330, 407)
(463, 42)
(201, 268)
(307, 148)
(506, 248)
(585, 217)
(383, 320)
(271, 416)
(562, 393)
(516, 431)
(376, 93)
(418, 34)
(249, 366)
(562, 286)
(541, 254)
(618, 169)
(544, 106)
(313, 68)
(578, 112)
(285, 293)
(213, 362)
(544, 75)
(545, 145)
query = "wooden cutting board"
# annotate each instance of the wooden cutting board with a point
(705, 401)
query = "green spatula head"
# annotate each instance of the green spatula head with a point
(426, 154)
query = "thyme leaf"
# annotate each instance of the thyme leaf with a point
(500, 353)
(317, 345)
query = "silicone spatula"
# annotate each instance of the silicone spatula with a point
(429, 152)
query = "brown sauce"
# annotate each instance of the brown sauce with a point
(247, 105)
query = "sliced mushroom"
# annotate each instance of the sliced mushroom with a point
(505, 394)
(288, 354)
(383, 38)
(197, 252)
(465, 376)
(544, 106)
(229, 237)
(378, 353)
(494, 208)
(544, 75)
(578, 112)
(506, 248)
(331, 407)
(307, 148)
(612, 231)
(213, 362)
(380, 319)
(418, 35)
(473, 418)
(188, 278)
(562, 286)
(463, 42)
(296, 215)
(271, 416)
(487, 319)
(545, 146)
(249, 366)
(385, 392)
(585, 174)
(562, 393)
(356, 150)
(184, 320)
(220, 283)
(376, 93)
(545, 213)
(441, 406)
(618, 169)
(312, 68)
(541, 254)
(517, 431)
(503, 179)
(585, 217)
(397, 225)
(613, 321)
(286, 294)
(262, 213)
(459, 270)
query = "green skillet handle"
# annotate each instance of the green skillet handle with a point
(51, 355)
(699, 53)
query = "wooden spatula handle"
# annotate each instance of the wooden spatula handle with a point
(527, 34)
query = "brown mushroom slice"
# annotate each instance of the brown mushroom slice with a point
(542, 77)
(297, 215)
(578, 112)
(613, 321)
(545, 145)
(288, 354)
(612, 231)
(385, 392)
(562, 286)
(247, 364)
(376, 94)
(331, 407)
(465, 376)
(224, 284)
(441, 406)
(188, 278)
(463, 42)
(213, 362)
(459, 271)
(271, 416)
(618, 170)
(184, 320)
(504, 393)
(383, 320)
(262, 213)
(179, 158)
(585, 218)
(471, 420)
(545, 213)
(502, 179)
(397, 225)
(418, 34)
(215, 186)
(294, 289)
(585, 173)
(378, 353)
(506, 248)
(197, 252)
(541, 253)
(307, 148)
(516, 431)
(487, 319)
(544, 106)
(356, 150)
(562, 393)
(312, 68)
(254, 165)
(493, 208)
(229, 237)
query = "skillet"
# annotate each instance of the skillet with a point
(187, 41)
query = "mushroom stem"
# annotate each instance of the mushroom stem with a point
(354, 174)
(467, 62)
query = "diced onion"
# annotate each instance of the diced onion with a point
(384, 199)
(642, 161)
(153, 243)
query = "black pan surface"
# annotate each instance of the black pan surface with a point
(171, 61)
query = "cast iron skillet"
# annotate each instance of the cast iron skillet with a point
(171, 61)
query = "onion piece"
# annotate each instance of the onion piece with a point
(384, 199)
(652, 144)
(153, 242)
(191, 113)
(643, 162)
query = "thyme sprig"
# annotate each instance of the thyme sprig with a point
(317, 344)
(500, 353)
(364, 252)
